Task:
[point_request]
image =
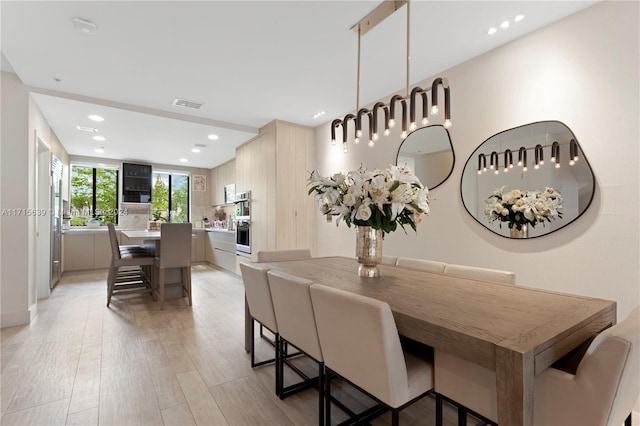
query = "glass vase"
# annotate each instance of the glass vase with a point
(368, 251)
(523, 232)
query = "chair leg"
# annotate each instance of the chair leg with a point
(161, 278)
(438, 410)
(327, 397)
(462, 417)
(279, 367)
(321, 394)
(186, 284)
(111, 280)
(395, 417)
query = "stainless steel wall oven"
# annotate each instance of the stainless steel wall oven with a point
(243, 222)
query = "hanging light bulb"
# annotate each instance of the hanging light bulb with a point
(522, 158)
(482, 163)
(334, 125)
(494, 161)
(539, 157)
(508, 160)
(573, 152)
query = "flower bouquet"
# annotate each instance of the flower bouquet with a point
(381, 199)
(520, 208)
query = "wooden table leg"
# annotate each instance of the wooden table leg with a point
(247, 327)
(515, 376)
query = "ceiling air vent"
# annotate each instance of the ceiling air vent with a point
(87, 129)
(186, 103)
(201, 145)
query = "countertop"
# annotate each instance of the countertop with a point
(220, 230)
(84, 230)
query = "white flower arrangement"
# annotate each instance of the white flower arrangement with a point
(381, 199)
(523, 207)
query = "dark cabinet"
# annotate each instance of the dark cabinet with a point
(136, 183)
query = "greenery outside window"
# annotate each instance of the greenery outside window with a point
(94, 193)
(170, 197)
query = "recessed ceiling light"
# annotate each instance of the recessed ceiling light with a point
(99, 150)
(518, 18)
(492, 30)
(318, 114)
(183, 160)
(87, 129)
(213, 137)
(95, 117)
(505, 24)
(99, 138)
(196, 150)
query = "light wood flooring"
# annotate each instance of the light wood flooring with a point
(81, 363)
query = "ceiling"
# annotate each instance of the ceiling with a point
(248, 62)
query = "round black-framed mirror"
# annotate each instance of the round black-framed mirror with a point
(428, 152)
(528, 181)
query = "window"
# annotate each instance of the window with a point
(94, 193)
(170, 197)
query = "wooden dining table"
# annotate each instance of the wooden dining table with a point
(513, 330)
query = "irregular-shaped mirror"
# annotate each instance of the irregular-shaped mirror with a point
(528, 181)
(429, 153)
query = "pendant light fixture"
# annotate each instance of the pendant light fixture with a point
(408, 104)
(538, 151)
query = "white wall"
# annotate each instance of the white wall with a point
(14, 194)
(582, 71)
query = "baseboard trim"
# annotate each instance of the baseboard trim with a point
(9, 319)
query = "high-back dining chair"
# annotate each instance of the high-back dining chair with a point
(174, 251)
(282, 255)
(421, 264)
(477, 375)
(602, 391)
(297, 325)
(258, 298)
(483, 274)
(129, 267)
(360, 342)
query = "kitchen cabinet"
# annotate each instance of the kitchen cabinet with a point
(198, 246)
(222, 176)
(136, 183)
(85, 249)
(221, 249)
(275, 166)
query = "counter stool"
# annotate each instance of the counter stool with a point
(174, 251)
(129, 270)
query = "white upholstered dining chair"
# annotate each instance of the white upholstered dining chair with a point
(421, 264)
(129, 270)
(259, 302)
(297, 325)
(602, 391)
(360, 343)
(478, 376)
(174, 251)
(282, 255)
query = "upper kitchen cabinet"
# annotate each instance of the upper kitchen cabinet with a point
(136, 183)
(221, 176)
(275, 166)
